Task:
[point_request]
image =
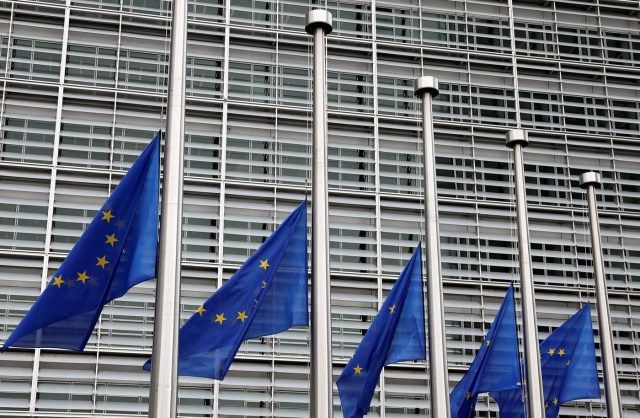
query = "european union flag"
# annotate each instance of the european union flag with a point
(117, 251)
(569, 369)
(396, 334)
(496, 365)
(267, 295)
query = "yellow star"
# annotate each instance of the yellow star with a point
(82, 277)
(107, 216)
(111, 239)
(561, 352)
(264, 284)
(220, 318)
(488, 343)
(57, 281)
(392, 309)
(102, 261)
(242, 316)
(555, 401)
(468, 396)
(546, 405)
(551, 351)
(255, 302)
(568, 362)
(358, 369)
(265, 264)
(201, 310)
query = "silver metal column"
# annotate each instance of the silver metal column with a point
(321, 392)
(589, 181)
(164, 373)
(427, 88)
(517, 139)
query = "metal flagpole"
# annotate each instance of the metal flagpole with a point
(589, 181)
(427, 89)
(164, 373)
(517, 139)
(321, 390)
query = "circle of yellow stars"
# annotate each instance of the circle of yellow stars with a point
(100, 261)
(220, 318)
(560, 353)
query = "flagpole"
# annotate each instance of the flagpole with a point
(589, 181)
(319, 24)
(163, 392)
(517, 139)
(427, 88)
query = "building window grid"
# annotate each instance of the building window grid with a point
(91, 54)
(28, 127)
(204, 69)
(34, 59)
(352, 236)
(207, 10)
(397, 24)
(350, 77)
(200, 227)
(203, 142)
(399, 158)
(21, 284)
(142, 400)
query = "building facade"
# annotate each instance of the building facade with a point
(84, 90)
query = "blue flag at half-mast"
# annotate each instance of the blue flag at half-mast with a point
(569, 369)
(496, 366)
(396, 334)
(117, 251)
(267, 295)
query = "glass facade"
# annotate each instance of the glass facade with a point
(84, 86)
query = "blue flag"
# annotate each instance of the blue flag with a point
(569, 369)
(267, 295)
(396, 334)
(117, 251)
(496, 366)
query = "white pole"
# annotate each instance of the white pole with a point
(164, 374)
(427, 89)
(517, 139)
(321, 390)
(589, 181)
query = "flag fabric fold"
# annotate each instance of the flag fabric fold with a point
(396, 334)
(117, 251)
(267, 295)
(569, 369)
(496, 366)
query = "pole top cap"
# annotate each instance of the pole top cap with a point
(517, 136)
(590, 178)
(319, 18)
(425, 84)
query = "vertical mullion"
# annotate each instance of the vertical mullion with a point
(376, 162)
(514, 63)
(223, 174)
(7, 65)
(52, 189)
